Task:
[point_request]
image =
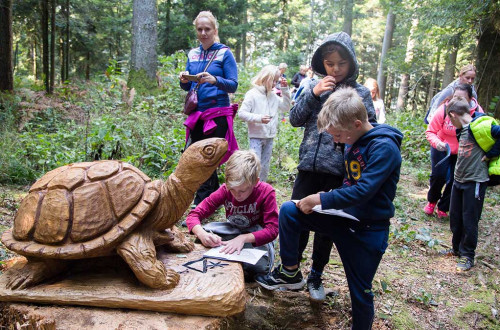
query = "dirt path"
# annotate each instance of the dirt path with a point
(415, 288)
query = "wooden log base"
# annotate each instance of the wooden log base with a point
(108, 282)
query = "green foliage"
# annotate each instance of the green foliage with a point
(425, 298)
(415, 147)
(405, 234)
(285, 153)
(143, 84)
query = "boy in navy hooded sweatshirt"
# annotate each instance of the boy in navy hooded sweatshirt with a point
(372, 162)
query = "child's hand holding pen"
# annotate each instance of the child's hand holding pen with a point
(209, 239)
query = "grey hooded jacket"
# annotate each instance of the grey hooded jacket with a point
(317, 151)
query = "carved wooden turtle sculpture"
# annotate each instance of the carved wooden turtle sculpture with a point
(93, 209)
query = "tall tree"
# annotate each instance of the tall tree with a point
(284, 25)
(52, 45)
(348, 9)
(45, 43)
(432, 85)
(405, 77)
(6, 75)
(143, 59)
(451, 60)
(488, 65)
(386, 44)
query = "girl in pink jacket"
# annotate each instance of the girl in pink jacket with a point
(441, 135)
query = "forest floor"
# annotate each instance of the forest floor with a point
(415, 288)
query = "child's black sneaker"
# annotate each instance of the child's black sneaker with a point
(316, 289)
(281, 278)
(464, 264)
(449, 253)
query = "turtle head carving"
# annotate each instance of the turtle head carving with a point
(199, 161)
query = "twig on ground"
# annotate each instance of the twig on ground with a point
(487, 264)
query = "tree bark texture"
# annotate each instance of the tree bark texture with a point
(6, 75)
(347, 26)
(488, 65)
(144, 38)
(389, 31)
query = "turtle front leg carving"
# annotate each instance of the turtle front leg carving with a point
(35, 271)
(139, 253)
(179, 242)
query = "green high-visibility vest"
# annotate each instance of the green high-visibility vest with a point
(481, 129)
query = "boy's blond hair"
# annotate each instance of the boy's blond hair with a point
(242, 167)
(458, 105)
(341, 110)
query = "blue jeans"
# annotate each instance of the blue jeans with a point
(360, 247)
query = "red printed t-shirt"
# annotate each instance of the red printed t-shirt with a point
(259, 208)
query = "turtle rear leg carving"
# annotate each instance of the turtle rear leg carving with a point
(139, 252)
(36, 271)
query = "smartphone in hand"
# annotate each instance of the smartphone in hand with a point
(191, 77)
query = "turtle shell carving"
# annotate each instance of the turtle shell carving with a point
(73, 205)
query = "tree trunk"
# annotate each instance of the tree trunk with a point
(488, 65)
(389, 31)
(45, 43)
(6, 75)
(87, 67)
(310, 41)
(283, 26)
(167, 26)
(432, 86)
(347, 26)
(143, 59)
(405, 77)
(67, 42)
(451, 61)
(244, 35)
(52, 45)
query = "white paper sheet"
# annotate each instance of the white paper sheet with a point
(249, 256)
(338, 213)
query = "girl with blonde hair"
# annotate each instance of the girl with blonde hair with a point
(260, 109)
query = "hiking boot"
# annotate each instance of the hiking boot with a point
(441, 214)
(464, 264)
(449, 253)
(316, 290)
(279, 278)
(429, 208)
